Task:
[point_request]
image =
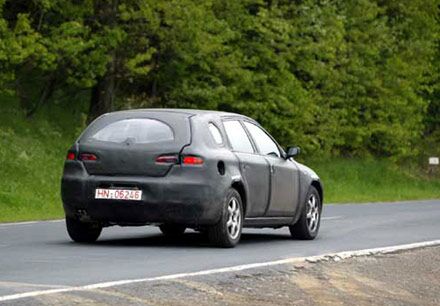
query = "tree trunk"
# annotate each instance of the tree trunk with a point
(102, 96)
(46, 93)
(104, 91)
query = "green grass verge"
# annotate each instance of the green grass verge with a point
(372, 180)
(32, 153)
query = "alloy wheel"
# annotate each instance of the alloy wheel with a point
(312, 213)
(234, 218)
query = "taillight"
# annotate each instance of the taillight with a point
(167, 159)
(70, 156)
(88, 156)
(192, 160)
(174, 159)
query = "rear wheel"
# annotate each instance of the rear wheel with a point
(172, 229)
(81, 231)
(227, 232)
(307, 227)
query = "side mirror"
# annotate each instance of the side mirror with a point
(292, 152)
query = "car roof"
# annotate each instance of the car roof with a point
(184, 111)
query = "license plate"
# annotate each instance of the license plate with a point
(118, 194)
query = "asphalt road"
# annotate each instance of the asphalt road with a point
(40, 256)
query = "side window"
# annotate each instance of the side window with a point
(264, 143)
(237, 137)
(215, 133)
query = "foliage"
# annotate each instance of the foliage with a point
(32, 153)
(345, 78)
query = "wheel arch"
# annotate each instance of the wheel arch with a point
(317, 184)
(239, 186)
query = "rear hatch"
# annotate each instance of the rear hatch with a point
(129, 142)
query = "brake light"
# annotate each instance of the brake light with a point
(174, 159)
(167, 159)
(88, 157)
(70, 156)
(192, 160)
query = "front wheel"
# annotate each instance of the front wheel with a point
(81, 231)
(227, 232)
(307, 227)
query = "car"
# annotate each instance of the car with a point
(215, 172)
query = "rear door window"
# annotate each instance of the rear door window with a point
(141, 130)
(237, 137)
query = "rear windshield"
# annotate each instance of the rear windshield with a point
(140, 130)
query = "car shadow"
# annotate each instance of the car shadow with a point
(190, 240)
(187, 240)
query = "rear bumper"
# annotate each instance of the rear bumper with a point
(176, 198)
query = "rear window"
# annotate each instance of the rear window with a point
(134, 130)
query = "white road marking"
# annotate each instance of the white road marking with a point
(56, 221)
(30, 222)
(331, 218)
(62, 220)
(18, 223)
(416, 202)
(339, 255)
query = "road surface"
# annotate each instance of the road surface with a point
(40, 256)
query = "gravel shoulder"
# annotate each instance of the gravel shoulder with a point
(403, 278)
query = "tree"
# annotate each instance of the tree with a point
(84, 44)
(349, 78)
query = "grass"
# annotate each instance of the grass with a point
(32, 153)
(373, 180)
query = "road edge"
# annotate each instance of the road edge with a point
(312, 259)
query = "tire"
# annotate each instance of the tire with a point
(227, 232)
(307, 227)
(81, 231)
(172, 230)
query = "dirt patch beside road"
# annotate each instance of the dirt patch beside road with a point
(405, 278)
